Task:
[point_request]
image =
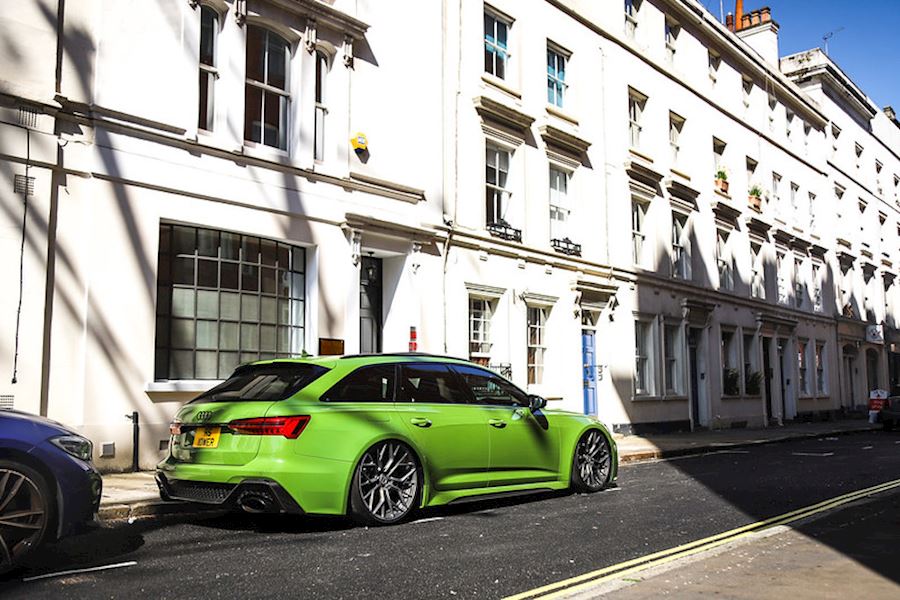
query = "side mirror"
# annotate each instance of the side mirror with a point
(536, 402)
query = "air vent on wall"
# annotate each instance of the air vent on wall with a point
(28, 116)
(7, 402)
(24, 184)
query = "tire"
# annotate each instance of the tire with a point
(26, 500)
(386, 484)
(591, 463)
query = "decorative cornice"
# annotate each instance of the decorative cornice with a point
(726, 214)
(325, 15)
(563, 140)
(485, 291)
(640, 171)
(491, 110)
(541, 300)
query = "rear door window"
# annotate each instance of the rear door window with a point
(263, 383)
(490, 389)
(430, 383)
(374, 383)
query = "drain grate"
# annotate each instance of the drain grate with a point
(24, 184)
(7, 402)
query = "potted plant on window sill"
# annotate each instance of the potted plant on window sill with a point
(731, 382)
(754, 198)
(722, 180)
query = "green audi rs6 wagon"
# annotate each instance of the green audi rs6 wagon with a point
(375, 436)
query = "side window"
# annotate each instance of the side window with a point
(433, 383)
(488, 388)
(366, 384)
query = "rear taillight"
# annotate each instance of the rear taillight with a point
(289, 427)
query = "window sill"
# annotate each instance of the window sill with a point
(740, 397)
(646, 398)
(641, 155)
(180, 386)
(501, 85)
(674, 397)
(561, 114)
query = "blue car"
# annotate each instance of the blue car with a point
(49, 488)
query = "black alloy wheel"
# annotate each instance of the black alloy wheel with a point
(592, 463)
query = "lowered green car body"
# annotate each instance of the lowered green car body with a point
(376, 436)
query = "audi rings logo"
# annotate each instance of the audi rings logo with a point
(203, 416)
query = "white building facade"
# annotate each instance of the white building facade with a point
(540, 187)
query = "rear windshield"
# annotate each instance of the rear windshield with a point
(272, 382)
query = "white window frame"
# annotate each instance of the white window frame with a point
(284, 95)
(643, 381)
(492, 45)
(536, 324)
(637, 103)
(209, 72)
(671, 29)
(323, 65)
(817, 287)
(681, 256)
(676, 125)
(803, 367)
(557, 62)
(481, 312)
(673, 355)
(560, 207)
(497, 194)
(724, 260)
(821, 359)
(638, 236)
(799, 283)
(758, 281)
(730, 357)
(632, 8)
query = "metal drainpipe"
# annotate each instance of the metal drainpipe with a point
(135, 440)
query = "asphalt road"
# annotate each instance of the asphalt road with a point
(481, 550)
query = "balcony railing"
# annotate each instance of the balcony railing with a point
(504, 231)
(566, 246)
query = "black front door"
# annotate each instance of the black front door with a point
(693, 340)
(370, 311)
(767, 370)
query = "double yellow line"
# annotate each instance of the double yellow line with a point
(580, 583)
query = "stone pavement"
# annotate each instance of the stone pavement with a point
(134, 495)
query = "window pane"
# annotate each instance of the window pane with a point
(183, 239)
(253, 114)
(267, 338)
(207, 365)
(431, 383)
(207, 335)
(276, 75)
(181, 364)
(297, 310)
(298, 263)
(255, 53)
(249, 307)
(182, 333)
(284, 339)
(284, 312)
(183, 271)
(268, 310)
(274, 132)
(207, 273)
(250, 249)
(231, 306)
(182, 302)
(268, 280)
(249, 278)
(207, 242)
(207, 304)
(284, 283)
(231, 244)
(249, 337)
(268, 252)
(208, 29)
(228, 362)
(228, 336)
(297, 281)
(366, 384)
(229, 273)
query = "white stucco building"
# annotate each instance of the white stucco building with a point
(204, 183)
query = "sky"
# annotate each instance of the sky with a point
(867, 49)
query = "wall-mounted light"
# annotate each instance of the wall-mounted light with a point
(371, 270)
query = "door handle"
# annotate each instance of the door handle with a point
(498, 423)
(420, 422)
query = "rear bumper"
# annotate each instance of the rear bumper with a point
(250, 495)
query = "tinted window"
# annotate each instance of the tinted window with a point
(430, 383)
(488, 388)
(277, 381)
(366, 384)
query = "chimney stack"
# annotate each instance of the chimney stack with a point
(757, 29)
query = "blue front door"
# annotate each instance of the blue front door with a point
(589, 372)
